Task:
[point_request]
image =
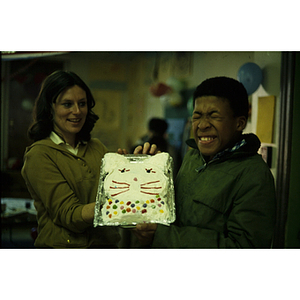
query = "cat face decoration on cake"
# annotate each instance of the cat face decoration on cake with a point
(133, 180)
(136, 190)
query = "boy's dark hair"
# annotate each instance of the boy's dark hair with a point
(51, 87)
(228, 88)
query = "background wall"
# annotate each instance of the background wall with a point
(120, 83)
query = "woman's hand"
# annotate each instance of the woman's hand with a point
(122, 151)
(145, 233)
(147, 149)
(88, 212)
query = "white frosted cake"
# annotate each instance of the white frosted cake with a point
(135, 189)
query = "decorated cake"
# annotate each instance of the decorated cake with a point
(135, 189)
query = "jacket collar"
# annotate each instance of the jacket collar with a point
(58, 140)
(247, 145)
(51, 144)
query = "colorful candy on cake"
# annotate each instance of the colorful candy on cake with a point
(135, 189)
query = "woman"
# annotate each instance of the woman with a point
(62, 166)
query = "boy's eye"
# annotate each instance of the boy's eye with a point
(196, 118)
(215, 116)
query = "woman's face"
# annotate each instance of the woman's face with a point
(214, 126)
(70, 111)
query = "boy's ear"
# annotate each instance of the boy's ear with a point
(241, 123)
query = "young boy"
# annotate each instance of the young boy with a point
(225, 194)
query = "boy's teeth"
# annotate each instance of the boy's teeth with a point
(206, 138)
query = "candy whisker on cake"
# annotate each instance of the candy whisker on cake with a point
(118, 187)
(113, 181)
(148, 193)
(151, 182)
(114, 195)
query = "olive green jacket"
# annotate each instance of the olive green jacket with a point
(61, 183)
(227, 203)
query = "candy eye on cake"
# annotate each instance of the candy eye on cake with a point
(135, 189)
(150, 170)
(124, 170)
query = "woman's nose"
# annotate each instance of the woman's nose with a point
(76, 109)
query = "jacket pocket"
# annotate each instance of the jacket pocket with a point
(215, 190)
(64, 238)
(210, 201)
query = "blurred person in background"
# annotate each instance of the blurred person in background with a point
(157, 134)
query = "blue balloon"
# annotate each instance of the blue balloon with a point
(250, 75)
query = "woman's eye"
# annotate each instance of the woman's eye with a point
(82, 104)
(67, 105)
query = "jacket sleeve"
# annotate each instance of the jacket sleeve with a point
(46, 183)
(249, 224)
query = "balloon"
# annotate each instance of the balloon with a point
(175, 99)
(250, 75)
(159, 89)
(175, 84)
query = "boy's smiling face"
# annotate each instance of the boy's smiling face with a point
(215, 127)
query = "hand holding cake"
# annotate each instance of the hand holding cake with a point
(145, 233)
(146, 149)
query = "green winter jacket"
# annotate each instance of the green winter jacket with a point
(227, 203)
(61, 183)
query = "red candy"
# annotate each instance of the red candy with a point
(128, 203)
(144, 211)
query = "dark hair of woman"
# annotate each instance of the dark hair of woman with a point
(51, 87)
